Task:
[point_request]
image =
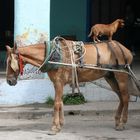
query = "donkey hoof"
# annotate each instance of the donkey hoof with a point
(51, 132)
(120, 128)
(56, 129)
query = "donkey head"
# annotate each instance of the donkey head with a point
(12, 67)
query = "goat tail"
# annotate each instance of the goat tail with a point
(90, 34)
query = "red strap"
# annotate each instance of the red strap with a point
(21, 65)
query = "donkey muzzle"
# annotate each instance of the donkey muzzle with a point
(12, 82)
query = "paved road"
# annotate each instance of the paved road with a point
(77, 127)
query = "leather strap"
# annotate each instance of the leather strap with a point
(125, 60)
(98, 55)
(112, 51)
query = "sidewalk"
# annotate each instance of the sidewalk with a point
(41, 110)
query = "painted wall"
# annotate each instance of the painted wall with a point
(32, 21)
(32, 25)
(68, 18)
(32, 91)
(25, 92)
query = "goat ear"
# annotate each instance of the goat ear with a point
(15, 47)
(8, 48)
(122, 20)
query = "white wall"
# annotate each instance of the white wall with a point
(31, 25)
(25, 92)
(32, 19)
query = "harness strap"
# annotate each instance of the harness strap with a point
(112, 51)
(98, 55)
(51, 54)
(124, 56)
(110, 66)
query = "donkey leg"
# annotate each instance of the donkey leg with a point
(110, 78)
(61, 115)
(58, 107)
(118, 114)
(123, 87)
(124, 115)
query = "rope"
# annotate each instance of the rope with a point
(74, 70)
(83, 48)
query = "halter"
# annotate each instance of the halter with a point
(17, 65)
(21, 66)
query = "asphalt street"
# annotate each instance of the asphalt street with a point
(77, 127)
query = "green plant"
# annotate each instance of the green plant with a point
(74, 99)
(50, 101)
(68, 99)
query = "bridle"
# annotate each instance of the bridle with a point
(18, 63)
(21, 66)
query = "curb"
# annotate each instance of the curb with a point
(38, 114)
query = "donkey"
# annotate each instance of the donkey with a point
(101, 54)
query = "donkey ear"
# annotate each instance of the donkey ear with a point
(15, 47)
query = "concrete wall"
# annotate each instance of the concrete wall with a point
(93, 92)
(37, 90)
(25, 92)
(32, 25)
(32, 21)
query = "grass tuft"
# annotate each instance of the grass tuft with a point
(68, 99)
